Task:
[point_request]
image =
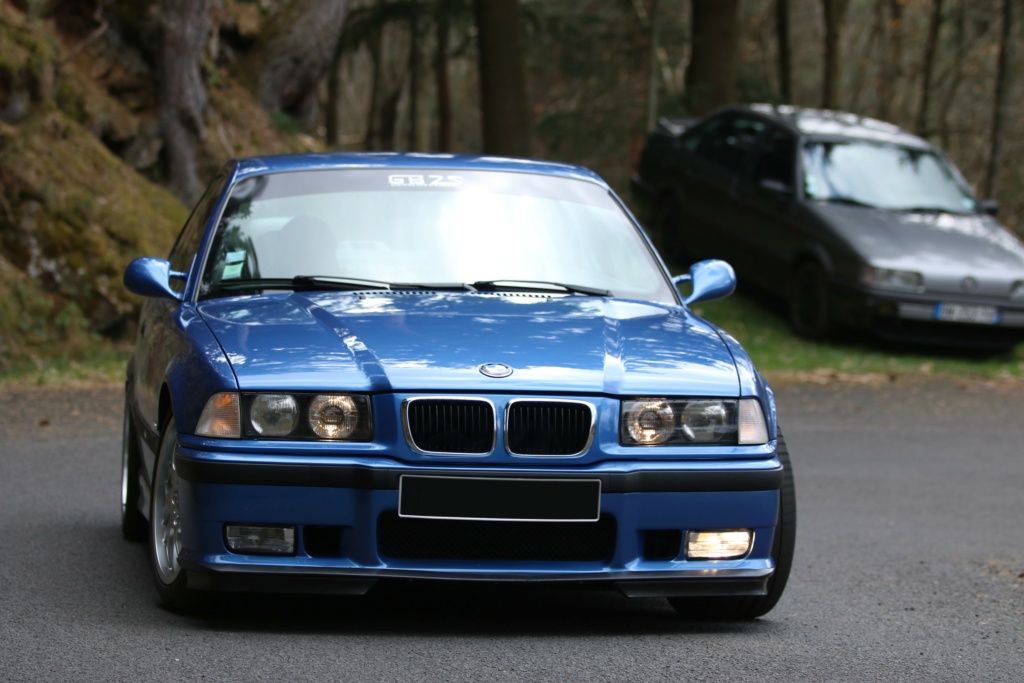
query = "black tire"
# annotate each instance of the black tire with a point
(133, 522)
(809, 312)
(165, 527)
(744, 607)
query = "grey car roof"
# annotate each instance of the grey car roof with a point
(828, 124)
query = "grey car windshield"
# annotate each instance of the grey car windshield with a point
(399, 226)
(883, 175)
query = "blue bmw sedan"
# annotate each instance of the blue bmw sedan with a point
(355, 368)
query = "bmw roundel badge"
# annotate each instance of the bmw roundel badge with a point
(496, 370)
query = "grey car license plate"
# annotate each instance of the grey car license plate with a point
(967, 313)
(499, 499)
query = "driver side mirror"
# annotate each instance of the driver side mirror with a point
(151, 277)
(711, 279)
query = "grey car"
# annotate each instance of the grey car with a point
(852, 221)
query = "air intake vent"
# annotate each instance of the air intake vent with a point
(549, 427)
(455, 426)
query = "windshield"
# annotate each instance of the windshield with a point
(430, 228)
(883, 175)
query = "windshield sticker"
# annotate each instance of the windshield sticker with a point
(234, 256)
(420, 180)
(232, 271)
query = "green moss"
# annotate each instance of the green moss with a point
(83, 215)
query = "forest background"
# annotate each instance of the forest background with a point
(114, 113)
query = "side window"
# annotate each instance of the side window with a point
(777, 158)
(702, 136)
(729, 144)
(187, 244)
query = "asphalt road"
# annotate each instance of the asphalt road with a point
(909, 567)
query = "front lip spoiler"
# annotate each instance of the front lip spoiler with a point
(201, 471)
(361, 581)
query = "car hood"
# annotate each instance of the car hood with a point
(935, 242)
(436, 341)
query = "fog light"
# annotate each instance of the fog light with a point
(260, 540)
(728, 544)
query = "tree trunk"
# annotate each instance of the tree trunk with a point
(928, 68)
(300, 43)
(502, 78)
(891, 70)
(1001, 105)
(959, 48)
(331, 107)
(834, 11)
(785, 59)
(182, 95)
(390, 54)
(711, 73)
(413, 71)
(444, 93)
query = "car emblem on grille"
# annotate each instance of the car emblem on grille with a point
(969, 284)
(495, 370)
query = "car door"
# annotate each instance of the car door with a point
(717, 154)
(768, 235)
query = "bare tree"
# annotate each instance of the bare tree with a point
(835, 13)
(958, 46)
(784, 53)
(502, 77)
(300, 43)
(182, 95)
(889, 14)
(1000, 106)
(928, 67)
(711, 73)
(441, 81)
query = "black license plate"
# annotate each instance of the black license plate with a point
(499, 499)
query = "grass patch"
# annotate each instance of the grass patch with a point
(765, 334)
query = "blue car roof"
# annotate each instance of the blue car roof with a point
(316, 161)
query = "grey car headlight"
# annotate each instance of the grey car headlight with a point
(1017, 290)
(680, 422)
(889, 278)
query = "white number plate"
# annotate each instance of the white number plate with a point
(964, 313)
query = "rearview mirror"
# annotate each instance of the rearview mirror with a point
(711, 279)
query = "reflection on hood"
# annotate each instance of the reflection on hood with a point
(431, 341)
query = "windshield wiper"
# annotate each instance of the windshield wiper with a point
(931, 209)
(300, 283)
(849, 201)
(536, 286)
(312, 283)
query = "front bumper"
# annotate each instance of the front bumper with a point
(349, 536)
(912, 317)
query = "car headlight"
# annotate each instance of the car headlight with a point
(1017, 291)
(333, 416)
(336, 417)
(888, 278)
(674, 422)
(274, 414)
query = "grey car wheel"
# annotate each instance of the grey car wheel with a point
(165, 525)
